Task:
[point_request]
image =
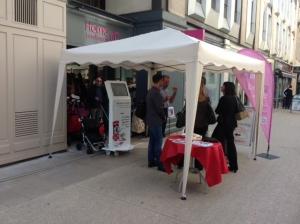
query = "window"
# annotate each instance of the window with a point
(280, 32)
(289, 44)
(214, 5)
(237, 11)
(26, 11)
(283, 42)
(286, 42)
(100, 4)
(264, 32)
(226, 8)
(253, 15)
(269, 35)
(267, 27)
(196, 9)
(277, 37)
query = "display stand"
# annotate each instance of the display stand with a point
(171, 115)
(119, 136)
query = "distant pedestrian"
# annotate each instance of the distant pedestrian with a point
(288, 94)
(167, 99)
(226, 109)
(155, 117)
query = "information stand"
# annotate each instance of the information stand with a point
(119, 136)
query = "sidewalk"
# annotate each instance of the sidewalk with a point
(77, 188)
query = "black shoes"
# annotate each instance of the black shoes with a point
(232, 169)
(151, 164)
(160, 167)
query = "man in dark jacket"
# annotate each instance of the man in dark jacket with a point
(155, 117)
(288, 93)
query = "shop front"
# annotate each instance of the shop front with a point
(284, 77)
(87, 27)
(296, 70)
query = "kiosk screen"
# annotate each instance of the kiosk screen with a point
(119, 89)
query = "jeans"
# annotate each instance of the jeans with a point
(155, 144)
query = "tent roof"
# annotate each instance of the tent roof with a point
(168, 49)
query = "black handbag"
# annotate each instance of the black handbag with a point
(241, 110)
(180, 122)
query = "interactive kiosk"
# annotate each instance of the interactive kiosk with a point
(119, 135)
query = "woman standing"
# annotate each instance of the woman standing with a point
(205, 114)
(226, 109)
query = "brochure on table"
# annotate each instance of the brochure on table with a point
(119, 116)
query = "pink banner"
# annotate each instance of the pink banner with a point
(248, 84)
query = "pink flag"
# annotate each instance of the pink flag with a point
(248, 84)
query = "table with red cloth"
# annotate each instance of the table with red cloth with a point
(211, 158)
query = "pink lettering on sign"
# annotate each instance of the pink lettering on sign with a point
(99, 33)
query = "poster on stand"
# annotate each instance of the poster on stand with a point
(121, 123)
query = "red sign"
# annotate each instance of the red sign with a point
(196, 33)
(98, 33)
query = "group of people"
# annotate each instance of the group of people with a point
(91, 95)
(157, 101)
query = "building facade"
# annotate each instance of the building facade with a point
(268, 26)
(297, 54)
(276, 37)
(32, 36)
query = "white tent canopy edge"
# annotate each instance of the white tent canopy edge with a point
(170, 49)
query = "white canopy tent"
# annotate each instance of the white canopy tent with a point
(164, 50)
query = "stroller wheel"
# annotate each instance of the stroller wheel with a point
(89, 150)
(78, 146)
(116, 153)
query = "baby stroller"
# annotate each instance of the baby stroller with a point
(75, 112)
(93, 132)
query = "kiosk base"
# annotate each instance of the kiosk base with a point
(116, 150)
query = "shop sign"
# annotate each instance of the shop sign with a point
(99, 33)
(85, 29)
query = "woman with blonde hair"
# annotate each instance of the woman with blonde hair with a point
(205, 114)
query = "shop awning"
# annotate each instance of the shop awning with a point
(289, 75)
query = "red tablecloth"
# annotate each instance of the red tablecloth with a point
(212, 158)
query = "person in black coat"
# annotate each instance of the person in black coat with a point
(288, 93)
(97, 99)
(226, 110)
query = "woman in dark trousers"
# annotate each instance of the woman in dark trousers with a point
(226, 110)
